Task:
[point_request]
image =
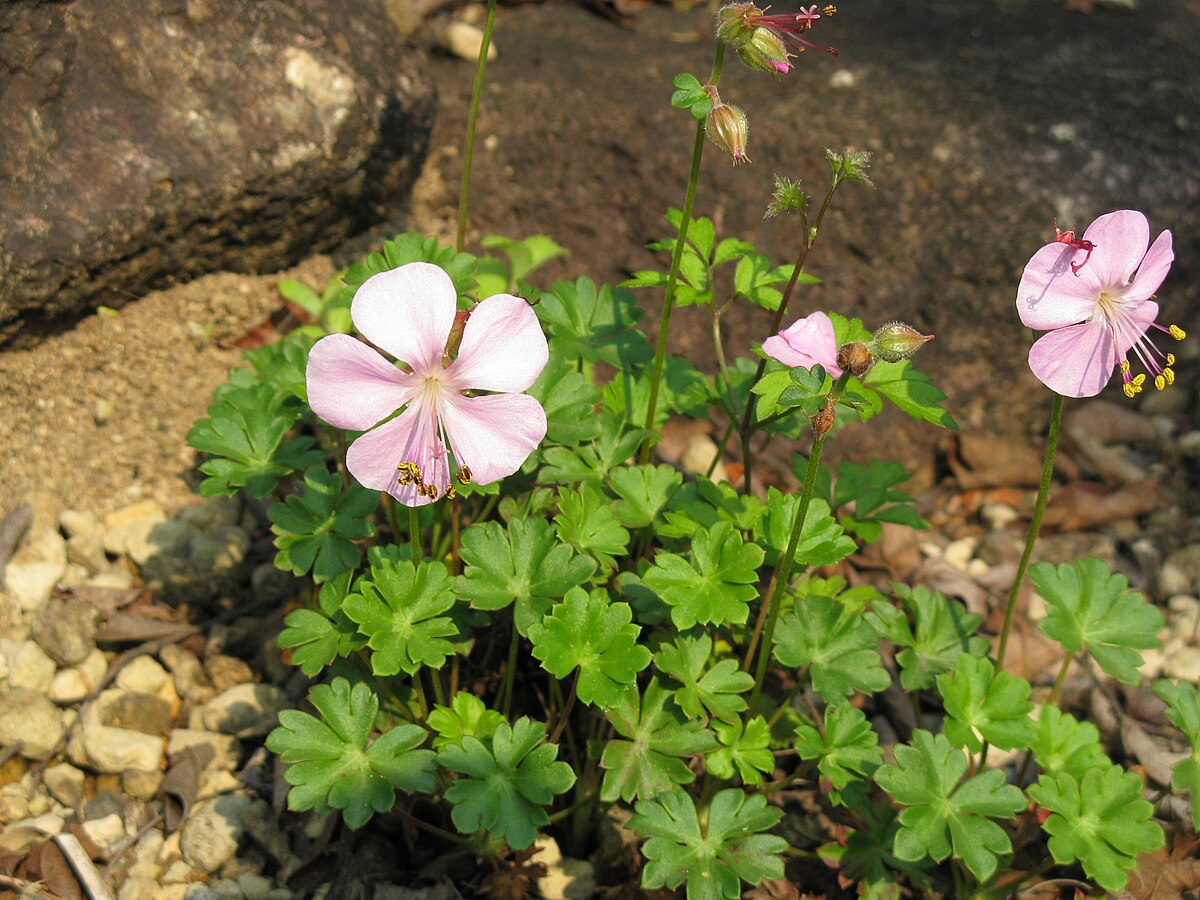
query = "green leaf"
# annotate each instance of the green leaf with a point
(587, 522)
(756, 278)
(822, 540)
(941, 629)
(615, 443)
(864, 857)
(848, 752)
(699, 505)
(838, 645)
(910, 390)
(316, 530)
(1183, 709)
(985, 705)
(714, 859)
(283, 364)
(507, 783)
(330, 763)
(466, 716)
(644, 761)
(689, 94)
(714, 692)
(714, 585)
(943, 816)
(871, 489)
(1101, 820)
(743, 751)
(684, 389)
(524, 255)
(317, 637)
(244, 433)
(523, 564)
(569, 401)
(398, 607)
(595, 636)
(644, 492)
(1088, 607)
(1064, 744)
(594, 324)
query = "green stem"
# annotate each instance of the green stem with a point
(464, 189)
(565, 715)
(414, 533)
(722, 367)
(1035, 526)
(432, 829)
(783, 569)
(510, 673)
(712, 466)
(660, 350)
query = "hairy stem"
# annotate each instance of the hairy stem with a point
(1035, 526)
(464, 190)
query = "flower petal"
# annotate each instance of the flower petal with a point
(1153, 270)
(351, 386)
(408, 312)
(410, 437)
(503, 347)
(1050, 295)
(806, 342)
(493, 435)
(1076, 361)
(1133, 324)
(1120, 238)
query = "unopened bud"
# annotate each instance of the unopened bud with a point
(896, 341)
(765, 52)
(734, 23)
(855, 358)
(823, 420)
(726, 127)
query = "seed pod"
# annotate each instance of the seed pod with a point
(823, 421)
(855, 358)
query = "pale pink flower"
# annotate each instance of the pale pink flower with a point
(1098, 308)
(409, 313)
(806, 342)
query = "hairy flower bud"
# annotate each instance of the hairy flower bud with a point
(726, 127)
(734, 25)
(766, 52)
(896, 341)
(855, 358)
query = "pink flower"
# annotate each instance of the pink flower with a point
(409, 312)
(806, 342)
(1096, 313)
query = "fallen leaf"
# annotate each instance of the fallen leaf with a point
(987, 460)
(126, 627)
(1082, 505)
(1166, 875)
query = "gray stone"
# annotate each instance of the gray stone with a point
(66, 784)
(143, 675)
(127, 530)
(246, 710)
(190, 679)
(143, 145)
(32, 583)
(224, 750)
(134, 711)
(211, 833)
(112, 750)
(263, 826)
(66, 630)
(227, 671)
(76, 523)
(220, 549)
(28, 717)
(212, 512)
(28, 665)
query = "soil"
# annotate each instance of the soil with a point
(987, 120)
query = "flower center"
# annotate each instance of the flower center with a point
(1128, 333)
(430, 442)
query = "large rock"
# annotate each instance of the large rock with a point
(149, 142)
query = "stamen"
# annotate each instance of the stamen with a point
(464, 475)
(1169, 374)
(1170, 359)
(1124, 366)
(829, 10)
(1160, 382)
(1176, 332)
(451, 493)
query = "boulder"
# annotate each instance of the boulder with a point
(151, 142)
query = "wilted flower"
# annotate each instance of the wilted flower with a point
(410, 312)
(806, 342)
(726, 127)
(1096, 313)
(739, 24)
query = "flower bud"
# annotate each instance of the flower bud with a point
(726, 127)
(855, 358)
(896, 341)
(734, 25)
(765, 52)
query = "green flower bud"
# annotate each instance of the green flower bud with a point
(896, 341)
(734, 26)
(765, 52)
(726, 127)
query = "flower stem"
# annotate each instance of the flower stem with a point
(1035, 526)
(783, 568)
(565, 715)
(510, 673)
(660, 350)
(722, 366)
(414, 533)
(464, 189)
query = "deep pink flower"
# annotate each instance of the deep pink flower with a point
(1096, 313)
(409, 312)
(806, 342)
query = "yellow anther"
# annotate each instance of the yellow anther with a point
(1169, 374)
(1140, 380)
(1130, 390)
(464, 475)
(1170, 359)
(1176, 332)
(451, 493)
(1124, 366)
(829, 10)
(1160, 382)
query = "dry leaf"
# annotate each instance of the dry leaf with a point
(987, 460)
(126, 627)
(1083, 505)
(1164, 875)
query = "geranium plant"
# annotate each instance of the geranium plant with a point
(518, 618)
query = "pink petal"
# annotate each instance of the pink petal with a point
(410, 437)
(1076, 361)
(1134, 323)
(1050, 295)
(493, 435)
(806, 342)
(503, 347)
(1120, 238)
(408, 312)
(351, 386)
(1153, 269)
